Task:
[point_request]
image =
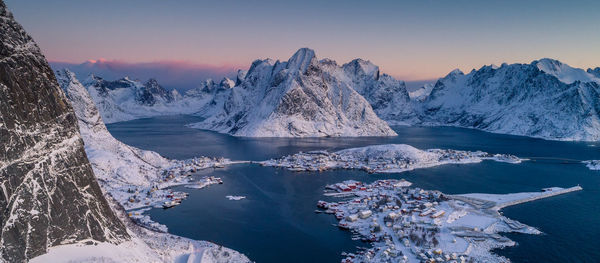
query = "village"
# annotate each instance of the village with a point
(405, 224)
(383, 159)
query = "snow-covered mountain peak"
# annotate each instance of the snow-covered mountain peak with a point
(455, 72)
(227, 83)
(301, 60)
(564, 72)
(362, 68)
(301, 97)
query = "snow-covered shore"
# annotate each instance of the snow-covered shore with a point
(389, 158)
(407, 224)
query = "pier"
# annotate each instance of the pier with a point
(546, 194)
(495, 205)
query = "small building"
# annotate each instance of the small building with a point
(352, 218)
(438, 214)
(365, 214)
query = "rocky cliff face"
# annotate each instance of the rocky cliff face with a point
(302, 97)
(49, 195)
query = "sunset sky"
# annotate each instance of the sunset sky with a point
(411, 40)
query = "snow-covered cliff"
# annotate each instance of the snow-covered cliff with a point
(302, 97)
(48, 193)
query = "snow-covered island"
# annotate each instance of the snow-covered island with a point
(235, 197)
(592, 164)
(389, 158)
(405, 224)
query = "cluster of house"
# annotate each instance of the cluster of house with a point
(399, 221)
(204, 182)
(153, 196)
(324, 160)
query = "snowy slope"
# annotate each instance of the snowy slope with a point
(114, 162)
(302, 97)
(538, 100)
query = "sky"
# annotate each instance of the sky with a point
(410, 40)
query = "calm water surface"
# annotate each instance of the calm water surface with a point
(277, 223)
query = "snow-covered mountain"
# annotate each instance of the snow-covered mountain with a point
(308, 97)
(125, 99)
(302, 97)
(546, 99)
(49, 195)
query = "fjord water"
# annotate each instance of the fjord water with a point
(277, 223)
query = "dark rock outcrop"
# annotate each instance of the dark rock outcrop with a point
(48, 193)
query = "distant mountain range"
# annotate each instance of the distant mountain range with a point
(172, 74)
(308, 97)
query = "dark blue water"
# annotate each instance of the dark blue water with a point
(276, 222)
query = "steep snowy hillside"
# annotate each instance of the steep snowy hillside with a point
(302, 97)
(49, 195)
(114, 163)
(126, 99)
(545, 99)
(119, 166)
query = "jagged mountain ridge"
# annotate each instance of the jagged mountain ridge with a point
(302, 97)
(463, 105)
(49, 195)
(546, 99)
